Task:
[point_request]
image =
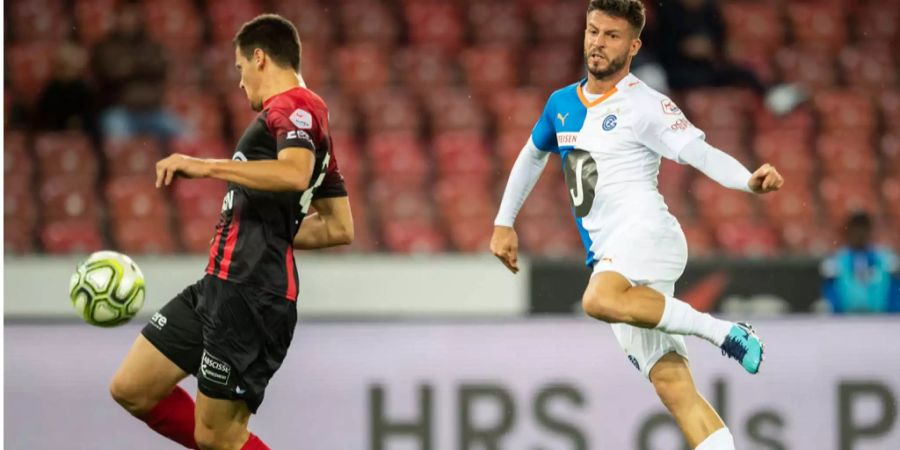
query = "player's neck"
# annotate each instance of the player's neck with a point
(603, 85)
(280, 82)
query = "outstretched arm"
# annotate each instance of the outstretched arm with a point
(290, 172)
(727, 171)
(329, 226)
(524, 175)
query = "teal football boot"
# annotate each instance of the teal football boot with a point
(743, 345)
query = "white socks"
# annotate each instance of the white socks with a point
(720, 440)
(681, 318)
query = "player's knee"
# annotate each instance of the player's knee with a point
(129, 396)
(675, 394)
(602, 306)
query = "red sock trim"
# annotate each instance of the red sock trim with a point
(254, 443)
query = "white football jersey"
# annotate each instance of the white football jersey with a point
(610, 149)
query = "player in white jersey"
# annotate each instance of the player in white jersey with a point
(611, 130)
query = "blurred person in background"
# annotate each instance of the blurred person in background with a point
(692, 51)
(861, 278)
(67, 102)
(131, 73)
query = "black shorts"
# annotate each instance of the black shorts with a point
(232, 337)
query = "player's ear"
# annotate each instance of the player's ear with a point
(259, 57)
(635, 46)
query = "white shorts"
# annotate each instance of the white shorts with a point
(653, 257)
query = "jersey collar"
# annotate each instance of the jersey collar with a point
(628, 80)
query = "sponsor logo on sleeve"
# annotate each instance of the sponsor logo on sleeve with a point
(214, 369)
(298, 134)
(669, 107)
(562, 118)
(301, 119)
(681, 125)
(563, 139)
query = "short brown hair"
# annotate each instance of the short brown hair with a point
(631, 10)
(274, 35)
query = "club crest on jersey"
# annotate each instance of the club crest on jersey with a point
(609, 122)
(669, 107)
(302, 119)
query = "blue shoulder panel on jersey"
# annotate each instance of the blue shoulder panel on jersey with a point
(563, 113)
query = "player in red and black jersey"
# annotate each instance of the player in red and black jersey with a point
(232, 328)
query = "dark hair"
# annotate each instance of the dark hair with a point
(274, 35)
(859, 219)
(632, 10)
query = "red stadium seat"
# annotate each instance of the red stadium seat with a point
(19, 203)
(314, 22)
(817, 25)
(890, 191)
(730, 140)
(135, 198)
(17, 159)
(32, 68)
(38, 20)
(464, 197)
(362, 68)
(890, 153)
(471, 235)
(558, 22)
(66, 153)
(413, 236)
(94, 19)
(844, 196)
(813, 69)
(549, 236)
(349, 155)
(371, 22)
(200, 198)
(496, 22)
(18, 236)
(719, 108)
(227, 16)
(197, 234)
(315, 65)
(72, 236)
(871, 67)
(455, 109)
(69, 197)
(716, 204)
(175, 24)
(842, 109)
(397, 153)
(755, 23)
(747, 238)
(878, 22)
(673, 178)
(462, 152)
(341, 113)
(701, 242)
(517, 108)
(789, 151)
(794, 203)
(808, 238)
(218, 62)
(889, 104)
(846, 154)
(132, 156)
(201, 147)
(197, 110)
(490, 68)
(434, 24)
(391, 110)
(423, 69)
(800, 120)
(508, 146)
(549, 66)
(151, 235)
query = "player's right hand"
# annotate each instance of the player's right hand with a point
(505, 246)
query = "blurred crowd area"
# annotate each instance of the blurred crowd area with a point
(430, 103)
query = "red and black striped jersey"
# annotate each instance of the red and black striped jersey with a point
(254, 235)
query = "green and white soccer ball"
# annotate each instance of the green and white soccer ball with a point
(107, 289)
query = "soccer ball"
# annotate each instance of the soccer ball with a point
(107, 289)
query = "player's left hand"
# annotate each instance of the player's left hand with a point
(765, 179)
(178, 164)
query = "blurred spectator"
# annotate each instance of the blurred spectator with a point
(861, 278)
(131, 73)
(692, 51)
(67, 102)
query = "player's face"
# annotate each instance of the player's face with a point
(609, 44)
(250, 78)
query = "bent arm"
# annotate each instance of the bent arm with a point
(524, 175)
(716, 164)
(329, 226)
(290, 172)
